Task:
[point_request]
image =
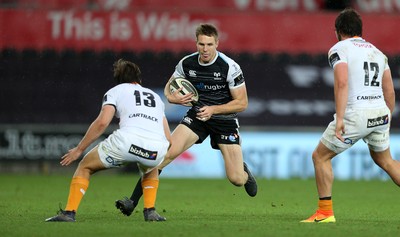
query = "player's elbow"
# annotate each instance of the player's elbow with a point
(243, 106)
(169, 98)
(101, 124)
(390, 101)
(341, 83)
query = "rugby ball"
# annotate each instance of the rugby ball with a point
(187, 87)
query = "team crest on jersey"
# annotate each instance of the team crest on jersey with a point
(217, 76)
(378, 121)
(333, 59)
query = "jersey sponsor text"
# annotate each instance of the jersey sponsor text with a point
(143, 116)
(378, 121)
(369, 97)
(146, 154)
(210, 87)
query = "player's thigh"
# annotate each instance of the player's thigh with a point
(353, 133)
(90, 163)
(377, 126)
(181, 139)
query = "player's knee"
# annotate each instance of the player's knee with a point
(320, 157)
(85, 170)
(315, 157)
(382, 159)
(82, 172)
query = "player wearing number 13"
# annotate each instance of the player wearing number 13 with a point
(364, 99)
(142, 137)
(222, 94)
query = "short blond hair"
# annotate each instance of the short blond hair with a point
(207, 29)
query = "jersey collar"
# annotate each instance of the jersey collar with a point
(211, 62)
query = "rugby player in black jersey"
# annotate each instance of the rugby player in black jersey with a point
(222, 94)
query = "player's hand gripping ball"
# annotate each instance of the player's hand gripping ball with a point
(187, 87)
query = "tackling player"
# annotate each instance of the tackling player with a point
(364, 99)
(222, 94)
(143, 137)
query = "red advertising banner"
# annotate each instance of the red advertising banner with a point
(364, 6)
(175, 5)
(164, 30)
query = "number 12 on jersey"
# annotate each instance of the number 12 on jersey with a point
(371, 67)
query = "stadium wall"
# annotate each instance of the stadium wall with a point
(270, 154)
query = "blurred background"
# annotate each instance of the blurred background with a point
(56, 64)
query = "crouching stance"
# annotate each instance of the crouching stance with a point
(142, 137)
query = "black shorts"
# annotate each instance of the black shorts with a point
(220, 131)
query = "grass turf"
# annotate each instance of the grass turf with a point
(198, 207)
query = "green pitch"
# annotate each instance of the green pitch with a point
(193, 207)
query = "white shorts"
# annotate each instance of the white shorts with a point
(120, 148)
(371, 125)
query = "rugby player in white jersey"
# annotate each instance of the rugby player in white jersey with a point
(222, 94)
(142, 137)
(364, 99)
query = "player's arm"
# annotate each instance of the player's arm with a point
(167, 131)
(97, 127)
(388, 89)
(340, 72)
(94, 131)
(238, 104)
(176, 97)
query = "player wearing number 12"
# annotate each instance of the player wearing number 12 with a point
(142, 137)
(364, 99)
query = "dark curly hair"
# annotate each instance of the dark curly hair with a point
(126, 72)
(349, 23)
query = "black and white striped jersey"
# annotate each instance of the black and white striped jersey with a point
(213, 80)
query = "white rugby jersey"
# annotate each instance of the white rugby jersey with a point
(138, 108)
(366, 65)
